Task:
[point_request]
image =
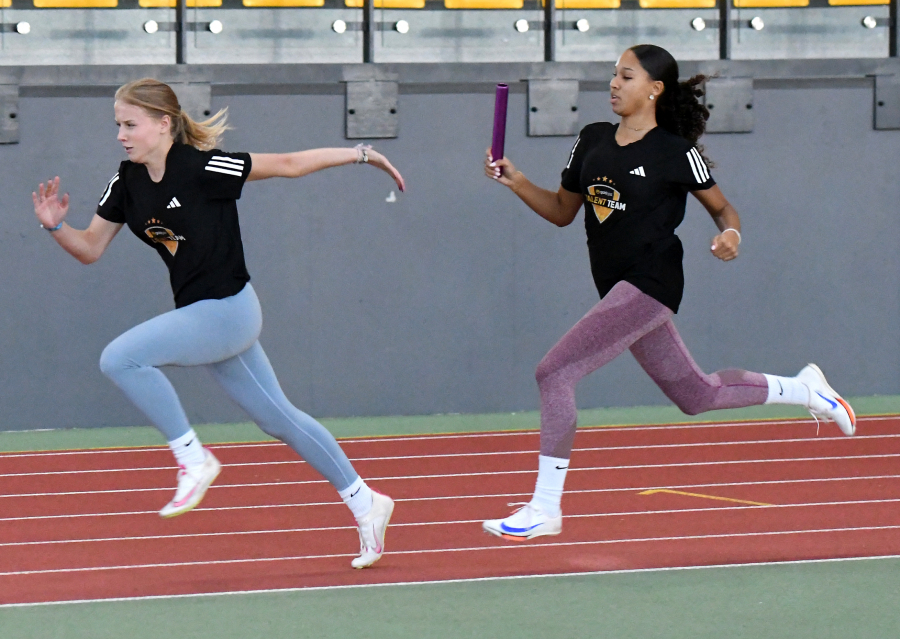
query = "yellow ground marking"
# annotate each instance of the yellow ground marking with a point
(679, 492)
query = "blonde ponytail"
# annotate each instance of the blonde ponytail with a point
(158, 100)
(202, 135)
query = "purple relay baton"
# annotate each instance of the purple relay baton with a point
(499, 121)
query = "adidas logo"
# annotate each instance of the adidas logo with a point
(174, 204)
(638, 171)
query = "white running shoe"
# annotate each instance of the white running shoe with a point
(526, 523)
(824, 402)
(192, 484)
(372, 528)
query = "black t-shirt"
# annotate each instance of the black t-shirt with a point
(635, 196)
(190, 217)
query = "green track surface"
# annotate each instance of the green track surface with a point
(65, 439)
(833, 600)
(840, 600)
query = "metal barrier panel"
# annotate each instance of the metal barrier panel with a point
(827, 32)
(605, 34)
(266, 36)
(85, 36)
(460, 35)
(334, 31)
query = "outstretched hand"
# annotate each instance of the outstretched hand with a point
(725, 246)
(376, 159)
(48, 207)
(501, 170)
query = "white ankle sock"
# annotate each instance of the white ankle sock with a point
(549, 487)
(358, 498)
(188, 450)
(787, 390)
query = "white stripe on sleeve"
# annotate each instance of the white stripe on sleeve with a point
(700, 163)
(108, 191)
(222, 158)
(572, 154)
(225, 165)
(693, 162)
(215, 169)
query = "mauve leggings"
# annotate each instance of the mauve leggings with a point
(628, 318)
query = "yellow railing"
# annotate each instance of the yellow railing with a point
(677, 4)
(483, 4)
(171, 3)
(748, 4)
(389, 4)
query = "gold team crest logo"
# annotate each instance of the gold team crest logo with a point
(162, 235)
(604, 198)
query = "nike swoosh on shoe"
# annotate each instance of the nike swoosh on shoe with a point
(832, 402)
(379, 548)
(517, 530)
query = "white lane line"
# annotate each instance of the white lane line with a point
(440, 582)
(444, 436)
(118, 514)
(112, 450)
(453, 550)
(455, 522)
(167, 469)
(805, 440)
(594, 430)
(628, 489)
(590, 429)
(490, 474)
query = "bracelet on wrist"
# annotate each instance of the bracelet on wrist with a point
(52, 228)
(735, 231)
(362, 153)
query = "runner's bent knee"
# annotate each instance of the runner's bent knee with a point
(118, 357)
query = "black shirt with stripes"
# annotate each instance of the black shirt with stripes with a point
(190, 217)
(634, 199)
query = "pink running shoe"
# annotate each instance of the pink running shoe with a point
(372, 528)
(192, 484)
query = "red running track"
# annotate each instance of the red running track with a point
(83, 525)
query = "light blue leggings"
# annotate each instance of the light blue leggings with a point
(221, 336)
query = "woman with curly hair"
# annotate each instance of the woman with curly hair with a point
(633, 179)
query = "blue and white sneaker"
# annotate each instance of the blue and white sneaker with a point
(526, 523)
(824, 402)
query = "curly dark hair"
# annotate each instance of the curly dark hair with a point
(678, 109)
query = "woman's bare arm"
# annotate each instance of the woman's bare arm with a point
(86, 246)
(300, 163)
(725, 244)
(559, 208)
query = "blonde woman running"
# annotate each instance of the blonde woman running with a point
(177, 193)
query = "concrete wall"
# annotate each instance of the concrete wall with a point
(445, 300)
